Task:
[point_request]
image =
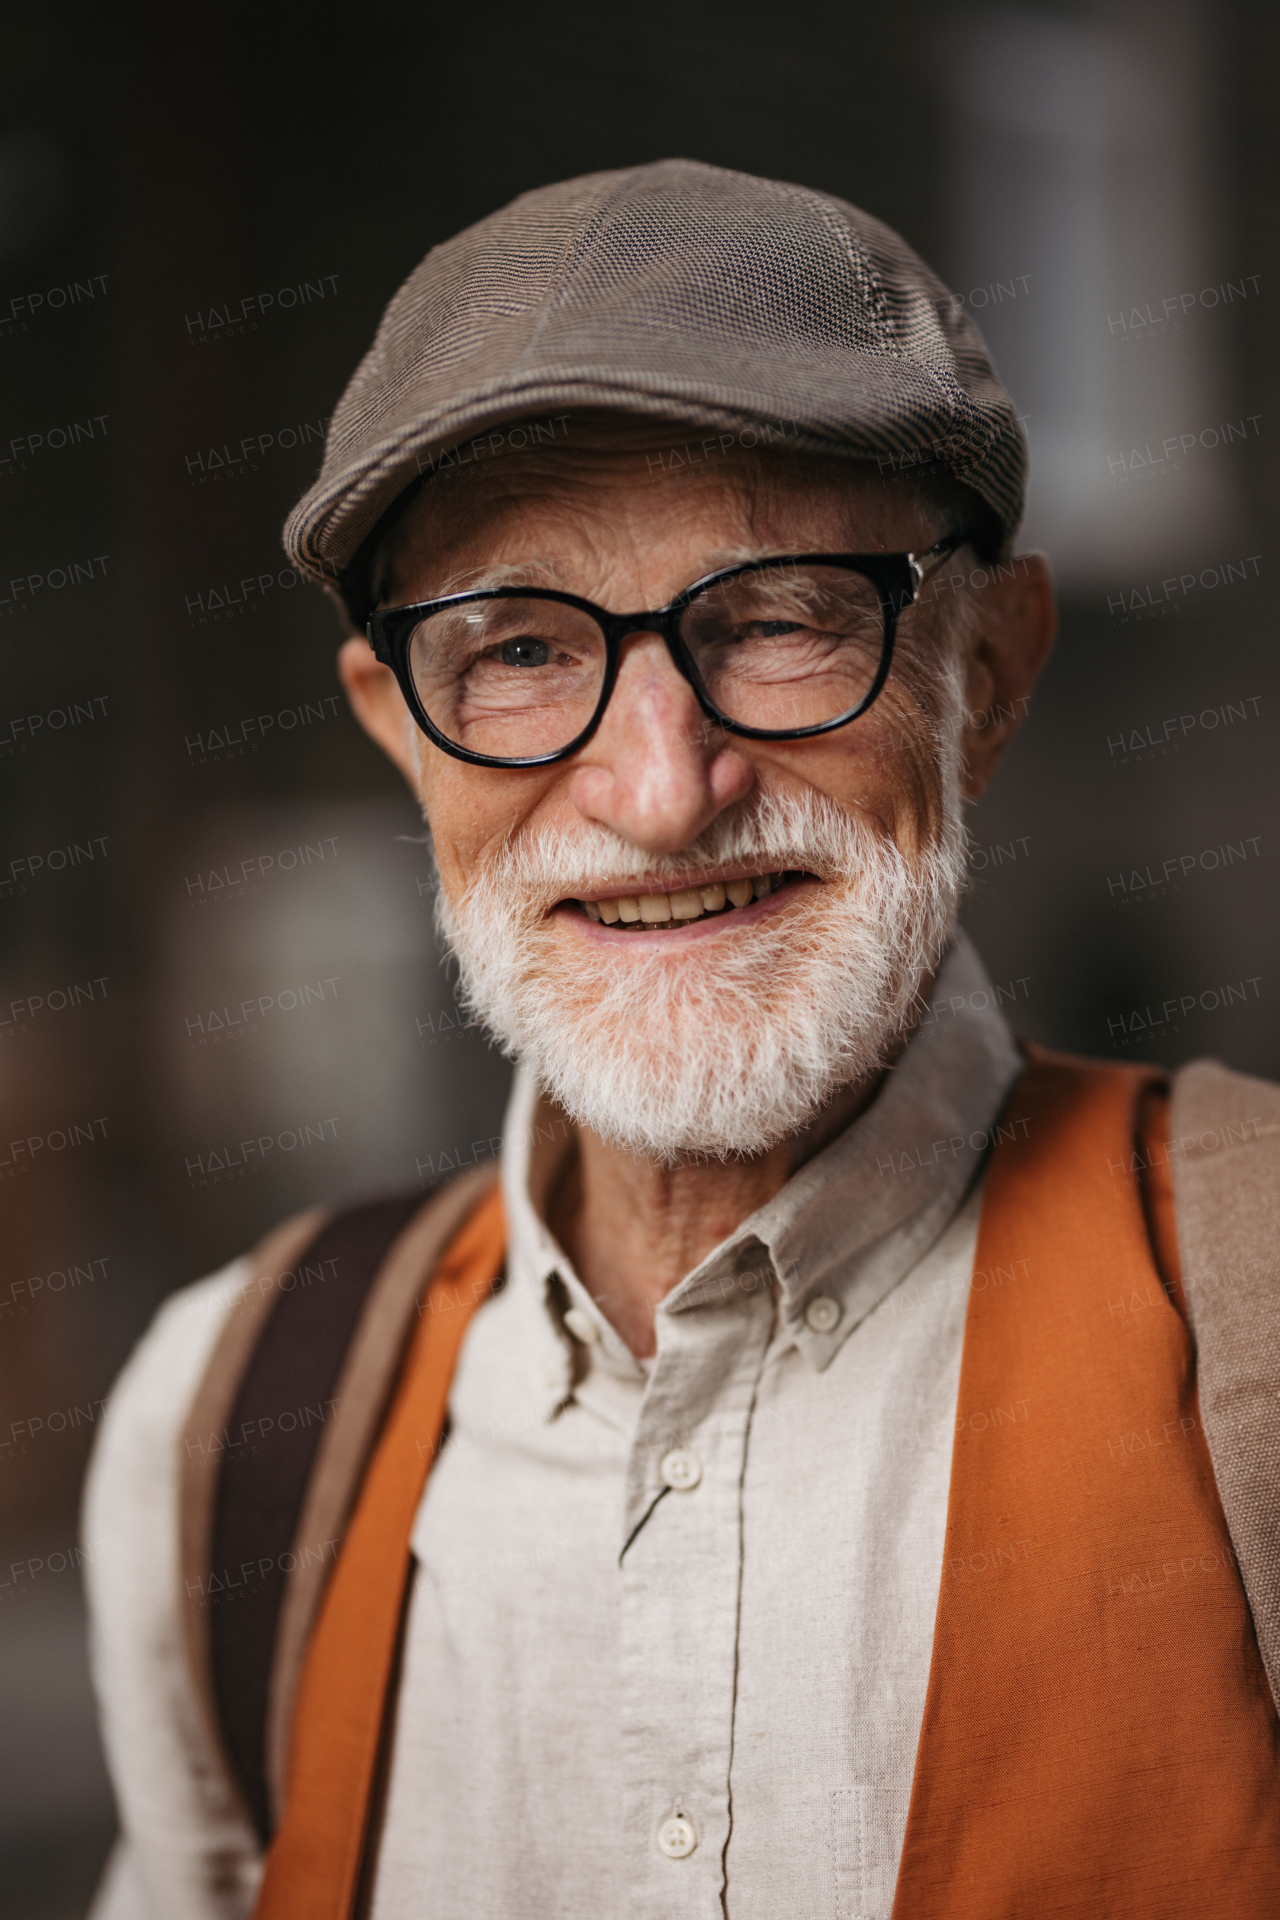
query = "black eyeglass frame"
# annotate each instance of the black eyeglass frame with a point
(897, 577)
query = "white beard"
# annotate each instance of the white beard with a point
(729, 1044)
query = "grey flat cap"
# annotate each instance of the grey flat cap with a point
(676, 290)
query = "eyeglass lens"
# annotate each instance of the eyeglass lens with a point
(778, 648)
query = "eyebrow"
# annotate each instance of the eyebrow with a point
(543, 571)
(538, 572)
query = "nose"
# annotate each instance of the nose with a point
(657, 771)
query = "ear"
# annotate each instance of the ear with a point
(378, 704)
(1016, 624)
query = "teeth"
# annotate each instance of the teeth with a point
(690, 903)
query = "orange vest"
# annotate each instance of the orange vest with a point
(1099, 1738)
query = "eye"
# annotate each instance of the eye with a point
(524, 652)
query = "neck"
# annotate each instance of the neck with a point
(634, 1229)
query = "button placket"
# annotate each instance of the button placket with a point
(680, 1583)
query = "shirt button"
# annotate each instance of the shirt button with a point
(681, 1471)
(676, 1837)
(822, 1315)
(582, 1326)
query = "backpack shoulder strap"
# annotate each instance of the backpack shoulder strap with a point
(275, 1445)
(370, 1369)
(277, 1260)
(1224, 1155)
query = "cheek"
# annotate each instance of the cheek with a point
(881, 767)
(914, 773)
(472, 811)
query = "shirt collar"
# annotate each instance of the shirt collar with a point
(843, 1231)
(536, 1139)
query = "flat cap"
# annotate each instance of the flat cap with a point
(676, 290)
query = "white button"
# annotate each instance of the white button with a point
(676, 1837)
(681, 1471)
(582, 1326)
(822, 1315)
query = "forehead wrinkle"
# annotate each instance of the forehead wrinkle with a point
(561, 494)
(538, 571)
(577, 477)
(428, 538)
(592, 539)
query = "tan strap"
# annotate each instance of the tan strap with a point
(1224, 1151)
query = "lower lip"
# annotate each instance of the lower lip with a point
(721, 922)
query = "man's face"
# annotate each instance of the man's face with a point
(722, 1032)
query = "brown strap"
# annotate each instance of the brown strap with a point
(346, 1442)
(314, 1862)
(286, 1397)
(274, 1260)
(1224, 1150)
(1099, 1741)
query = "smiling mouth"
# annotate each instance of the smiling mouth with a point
(659, 912)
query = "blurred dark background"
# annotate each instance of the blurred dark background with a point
(1096, 181)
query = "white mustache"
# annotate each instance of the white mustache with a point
(766, 833)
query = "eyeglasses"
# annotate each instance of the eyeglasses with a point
(777, 649)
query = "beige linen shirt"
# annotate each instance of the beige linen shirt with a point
(669, 1633)
(669, 1629)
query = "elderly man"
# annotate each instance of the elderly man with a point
(820, 1477)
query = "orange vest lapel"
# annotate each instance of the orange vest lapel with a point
(1099, 1739)
(314, 1862)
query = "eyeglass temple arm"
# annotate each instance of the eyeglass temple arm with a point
(927, 562)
